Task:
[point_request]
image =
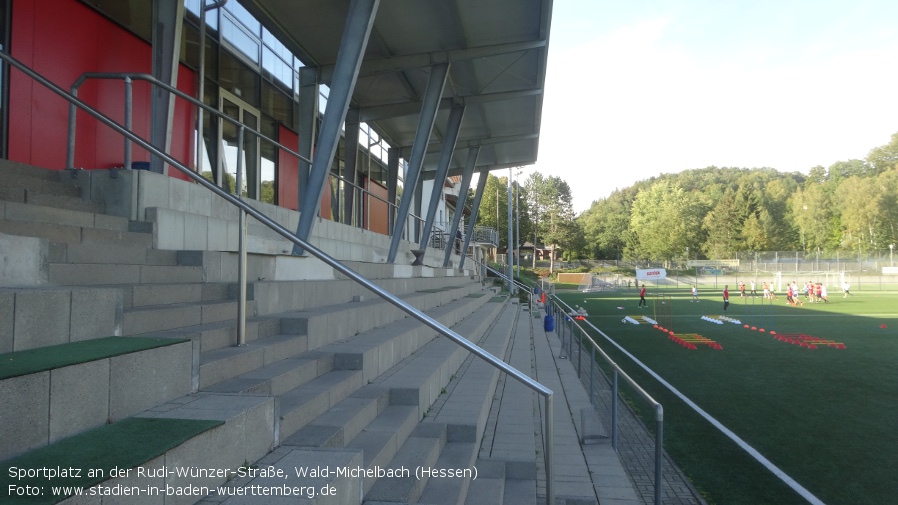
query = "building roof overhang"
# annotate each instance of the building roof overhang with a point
(497, 51)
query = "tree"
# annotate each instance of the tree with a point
(552, 212)
(606, 225)
(884, 158)
(724, 227)
(494, 207)
(665, 221)
(815, 219)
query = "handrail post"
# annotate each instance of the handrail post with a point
(659, 451)
(580, 354)
(614, 394)
(70, 145)
(129, 104)
(549, 450)
(592, 363)
(241, 246)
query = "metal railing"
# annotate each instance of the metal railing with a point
(518, 284)
(358, 192)
(428, 321)
(566, 328)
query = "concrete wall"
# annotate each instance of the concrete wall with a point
(189, 217)
(44, 407)
(37, 317)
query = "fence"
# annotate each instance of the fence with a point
(585, 355)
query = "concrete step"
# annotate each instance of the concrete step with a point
(345, 420)
(318, 474)
(71, 274)
(489, 486)
(154, 318)
(60, 397)
(421, 450)
(513, 419)
(221, 334)
(228, 362)
(300, 406)
(370, 352)
(38, 213)
(24, 184)
(278, 377)
(420, 379)
(140, 295)
(451, 488)
(75, 234)
(377, 350)
(466, 405)
(111, 254)
(35, 317)
(283, 296)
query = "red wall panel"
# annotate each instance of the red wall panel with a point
(62, 39)
(288, 170)
(376, 211)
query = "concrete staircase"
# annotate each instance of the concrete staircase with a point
(337, 397)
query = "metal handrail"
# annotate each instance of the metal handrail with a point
(428, 321)
(618, 371)
(517, 283)
(130, 76)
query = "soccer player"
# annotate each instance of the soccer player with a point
(726, 297)
(642, 302)
(694, 294)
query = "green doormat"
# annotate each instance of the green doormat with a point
(88, 459)
(14, 364)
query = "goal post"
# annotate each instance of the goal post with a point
(591, 282)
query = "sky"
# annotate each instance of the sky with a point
(637, 88)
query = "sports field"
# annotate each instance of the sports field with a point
(825, 413)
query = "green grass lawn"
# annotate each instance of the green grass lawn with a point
(826, 417)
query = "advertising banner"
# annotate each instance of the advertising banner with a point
(649, 274)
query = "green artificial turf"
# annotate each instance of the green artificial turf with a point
(122, 445)
(824, 416)
(18, 363)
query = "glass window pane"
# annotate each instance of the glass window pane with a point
(236, 77)
(193, 12)
(240, 39)
(323, 92)
(242, 15)
(277, 104)
(277, 69)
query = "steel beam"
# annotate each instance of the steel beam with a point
(434, 92)
(452, 128)
(460, 212)
(359, 21)
(475, 209)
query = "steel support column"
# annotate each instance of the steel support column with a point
(509, 253)
(392, 184)
(475, 209)
(351, 141)
(359, 21)
(455, 118)
(429, 108)
(168, 16)
(460, 204)
(308, 123)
